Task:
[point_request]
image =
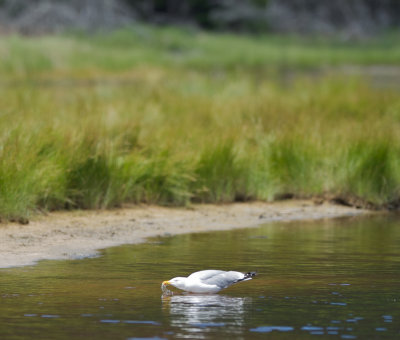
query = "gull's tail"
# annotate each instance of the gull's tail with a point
(247, 276)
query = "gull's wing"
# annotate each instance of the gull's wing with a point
(218, 278)
(205, 274)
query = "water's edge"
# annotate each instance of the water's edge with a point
(81, 234)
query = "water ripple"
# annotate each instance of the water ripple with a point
(268, 329)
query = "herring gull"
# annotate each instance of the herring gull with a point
(207, 281)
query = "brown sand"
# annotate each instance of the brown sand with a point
(78, 234)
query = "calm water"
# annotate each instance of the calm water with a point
(317, 280)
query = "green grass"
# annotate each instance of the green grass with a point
(184, 49)
(168, 117)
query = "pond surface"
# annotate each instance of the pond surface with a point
(337, 279)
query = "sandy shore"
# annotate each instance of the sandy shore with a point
(72, 235)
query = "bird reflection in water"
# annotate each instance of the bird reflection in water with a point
(196, 313)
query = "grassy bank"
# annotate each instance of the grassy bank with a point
(164, 117)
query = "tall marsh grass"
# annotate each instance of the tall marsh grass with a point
(87, 126)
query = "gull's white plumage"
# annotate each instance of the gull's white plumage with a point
(208, 281)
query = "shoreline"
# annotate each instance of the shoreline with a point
(83, 233)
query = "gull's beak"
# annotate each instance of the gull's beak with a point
(164, 287)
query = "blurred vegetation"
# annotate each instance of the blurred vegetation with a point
(85, 55)
(167, 116)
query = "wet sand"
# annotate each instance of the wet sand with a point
(80, 234)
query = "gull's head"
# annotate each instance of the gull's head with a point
(178, 282)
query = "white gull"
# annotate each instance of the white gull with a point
(207, 281)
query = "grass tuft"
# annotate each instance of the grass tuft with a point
(370, 171)
(219, 174)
